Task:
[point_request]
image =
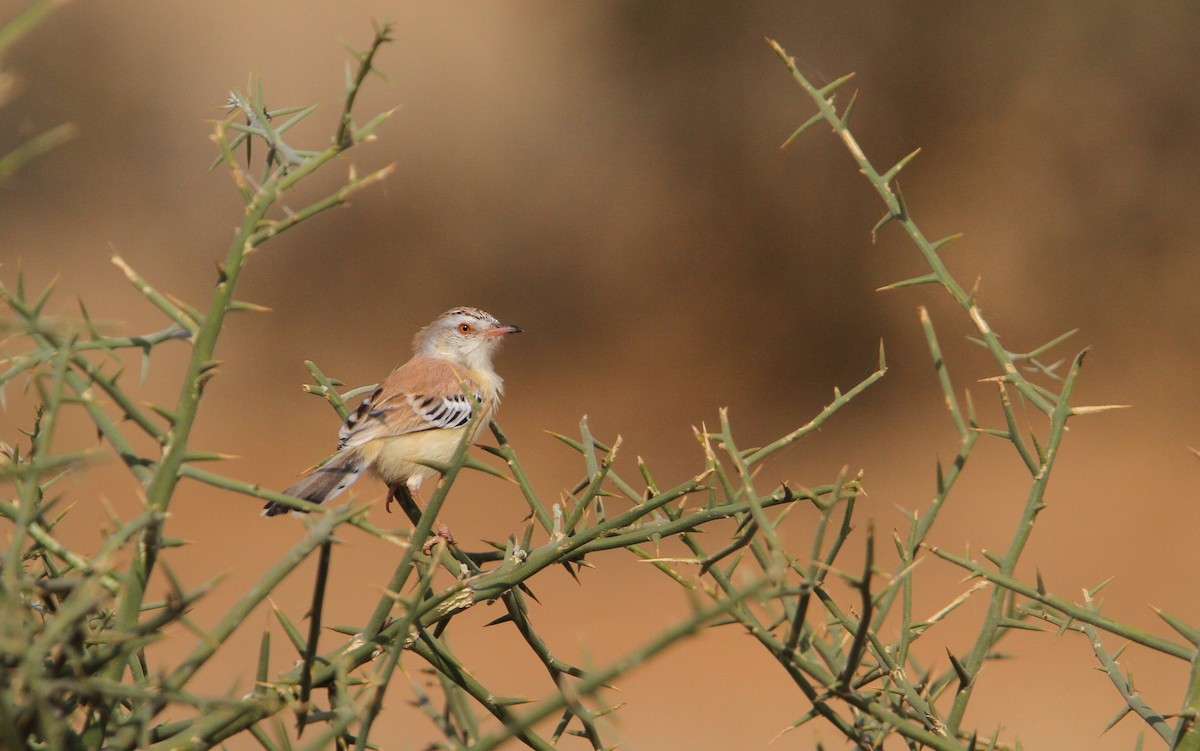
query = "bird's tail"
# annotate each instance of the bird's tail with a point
(323, 483)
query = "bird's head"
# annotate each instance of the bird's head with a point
(467, 336)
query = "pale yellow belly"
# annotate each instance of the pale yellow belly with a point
(398, 458)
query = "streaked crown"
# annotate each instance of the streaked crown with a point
(465, 335)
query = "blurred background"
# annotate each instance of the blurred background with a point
(609, 177)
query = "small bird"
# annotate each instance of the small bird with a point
(419, 412)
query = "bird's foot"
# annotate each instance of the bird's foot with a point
(442, 533)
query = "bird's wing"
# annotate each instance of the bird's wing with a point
(425, 393)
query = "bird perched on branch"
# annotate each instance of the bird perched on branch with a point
(419, 412)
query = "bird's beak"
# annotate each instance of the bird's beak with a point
(503, 329)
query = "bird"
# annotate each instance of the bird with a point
(418, 413)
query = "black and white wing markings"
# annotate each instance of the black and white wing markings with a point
(399, 413)
(358, 429)
(438, 412)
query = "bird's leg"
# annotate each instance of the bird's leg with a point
(407, 499)
(403, 495)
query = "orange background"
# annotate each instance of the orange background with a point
(608, 176)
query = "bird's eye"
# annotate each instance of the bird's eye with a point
(465, 328)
